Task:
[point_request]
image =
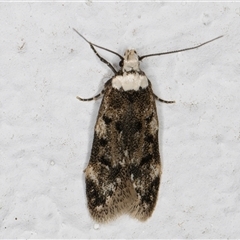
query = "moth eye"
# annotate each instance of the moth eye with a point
(121, 63)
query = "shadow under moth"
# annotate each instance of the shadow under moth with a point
(124, 170)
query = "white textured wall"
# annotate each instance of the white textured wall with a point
(46, 133)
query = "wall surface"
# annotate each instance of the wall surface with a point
(46, 133)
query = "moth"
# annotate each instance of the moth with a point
(124, 170)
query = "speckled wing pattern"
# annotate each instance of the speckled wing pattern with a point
(123, 173)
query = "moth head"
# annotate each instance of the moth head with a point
(130, 61)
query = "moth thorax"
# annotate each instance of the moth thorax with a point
(130, 81)
(130, 62)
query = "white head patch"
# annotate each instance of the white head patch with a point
(130, 61)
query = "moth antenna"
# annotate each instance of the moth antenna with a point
(97, 45)
(181, 50)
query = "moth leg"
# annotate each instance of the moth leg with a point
(102, 59)
(161, 100)
(93, 98)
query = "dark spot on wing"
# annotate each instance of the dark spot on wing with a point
(106, 119)
(149, 118)
(103, 142)
(137, 126)
(149, 138)
(105, 161)
(146, 159)
(119, 126)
